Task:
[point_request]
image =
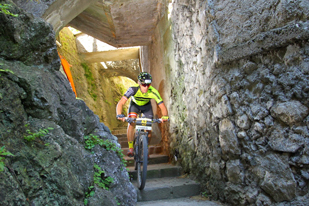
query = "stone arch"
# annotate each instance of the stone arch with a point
(125, 68)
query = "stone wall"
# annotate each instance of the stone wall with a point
(155, 58)
(238, 97)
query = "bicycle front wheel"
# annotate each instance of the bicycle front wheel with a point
(143, 161)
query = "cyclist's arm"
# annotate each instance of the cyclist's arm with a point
(163, 110)
(119, 107)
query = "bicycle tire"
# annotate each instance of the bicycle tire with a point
(135, 152)
(142, 163)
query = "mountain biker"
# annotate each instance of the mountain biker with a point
(141, 94)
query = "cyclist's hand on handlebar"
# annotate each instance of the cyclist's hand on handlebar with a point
(164, 118)
(130, 120)
(121, 117)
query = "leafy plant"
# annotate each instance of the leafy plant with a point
(3, 152)
(88, 194)
(92, 140)
(32, 136)
(100, 179)
(4, 8)
(107, 102)
(6, 71)
(205, 195)
(118, 203)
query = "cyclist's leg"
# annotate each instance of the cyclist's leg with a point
(132, 113)
(148, 113)
(130, 132)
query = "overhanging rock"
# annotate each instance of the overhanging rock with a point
(112, 55)
(121, 23)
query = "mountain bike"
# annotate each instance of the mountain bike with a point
(143, 125)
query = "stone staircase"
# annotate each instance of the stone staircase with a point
(164, 181)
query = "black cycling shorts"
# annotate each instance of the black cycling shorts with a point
(134, 110)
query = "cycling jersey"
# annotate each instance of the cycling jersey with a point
(134, 110)
(140, 98)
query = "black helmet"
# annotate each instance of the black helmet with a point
(144, 78)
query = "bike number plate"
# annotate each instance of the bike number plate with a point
(143, 127)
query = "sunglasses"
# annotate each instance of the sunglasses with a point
(145, 85)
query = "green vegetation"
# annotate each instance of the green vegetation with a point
(121, 88)
(204, 194)
(88, 194)
(107, 102)
(180, 64)
(68, 45)
(4, 8)
(100, 179)
(118, 203)
(92, 89)
(6, 71)
(120, 92)
(32, 136)
(200, 92)
(92, 140)
(3, 152)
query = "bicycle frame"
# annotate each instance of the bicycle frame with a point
(143, 125)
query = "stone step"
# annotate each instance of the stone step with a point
(167, 188)
(121, 130)
(157, 171)
(197, 200)
(152, 149)
(124, 144)
(122, 137)
(153, 159)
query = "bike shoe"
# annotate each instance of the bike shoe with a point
(130, 152)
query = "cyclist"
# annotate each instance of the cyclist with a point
(141, 94)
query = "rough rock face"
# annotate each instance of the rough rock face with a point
(37, 101)
(239, 99)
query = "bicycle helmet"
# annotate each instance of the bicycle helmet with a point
(144, 78)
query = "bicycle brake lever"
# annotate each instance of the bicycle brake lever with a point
(161, 120)
(130, 120)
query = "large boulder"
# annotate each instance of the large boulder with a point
(44, 126)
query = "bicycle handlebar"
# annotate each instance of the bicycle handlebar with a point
(130, 120)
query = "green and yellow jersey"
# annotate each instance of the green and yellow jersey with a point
(142, 99)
